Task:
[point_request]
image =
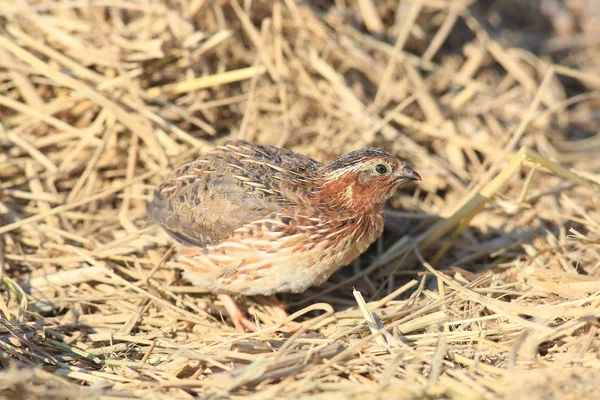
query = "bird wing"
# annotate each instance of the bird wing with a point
(205, 200)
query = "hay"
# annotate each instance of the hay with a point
(463, 297)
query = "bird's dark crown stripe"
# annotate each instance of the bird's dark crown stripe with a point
(357, 157)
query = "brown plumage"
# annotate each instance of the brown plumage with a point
(260, 220)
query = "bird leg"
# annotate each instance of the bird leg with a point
(277, 305)
(280, 314)
(242, 323)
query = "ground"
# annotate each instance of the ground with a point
(484, 285)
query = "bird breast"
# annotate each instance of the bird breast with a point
(274, 260)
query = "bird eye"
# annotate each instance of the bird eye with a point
(381, 169)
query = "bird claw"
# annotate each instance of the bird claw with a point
(244, 325)
(241, 323)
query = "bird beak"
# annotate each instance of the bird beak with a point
(408, 174)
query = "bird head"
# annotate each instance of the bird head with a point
(363, 179)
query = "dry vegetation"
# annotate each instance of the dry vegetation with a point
(100, 98)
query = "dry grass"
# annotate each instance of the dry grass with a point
(100, 98)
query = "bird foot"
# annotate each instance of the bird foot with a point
(277, 306)
(243, 324)
(240, 321)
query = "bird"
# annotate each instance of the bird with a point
(257, 220)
